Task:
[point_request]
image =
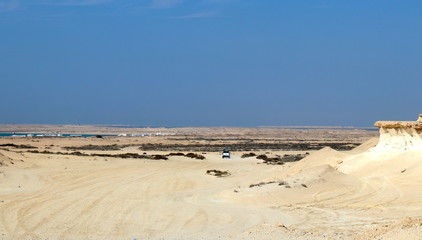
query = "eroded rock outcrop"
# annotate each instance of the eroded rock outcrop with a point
(399, 150)
(400, 135)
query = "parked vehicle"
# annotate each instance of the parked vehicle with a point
(226, 153)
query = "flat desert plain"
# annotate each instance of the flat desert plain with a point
(150, 188)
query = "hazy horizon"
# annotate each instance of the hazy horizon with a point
(162, 126)
(210, 62)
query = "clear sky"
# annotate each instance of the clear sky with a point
(210, 62)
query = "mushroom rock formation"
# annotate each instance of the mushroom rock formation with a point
(399, 146)
(400, 135)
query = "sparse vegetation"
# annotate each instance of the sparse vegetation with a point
(271, 161)
(246, 155)
(22, 146)
(123, 155)
(159, 157)
(274, 161)
(281, 160)
(262, 157)
(195, 155)
(89, 147)
(261, 184)
(293, 158)
(280, 183)
(248, 146)
(218, 173)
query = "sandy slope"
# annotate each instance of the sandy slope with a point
(125, 199)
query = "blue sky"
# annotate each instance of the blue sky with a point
(210, 62)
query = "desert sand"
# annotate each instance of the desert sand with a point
(370, 192)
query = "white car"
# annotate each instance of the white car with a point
(226, 154)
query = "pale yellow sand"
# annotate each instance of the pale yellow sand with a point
(90, 198)
(335, 195)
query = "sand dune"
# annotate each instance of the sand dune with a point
(324, 156)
